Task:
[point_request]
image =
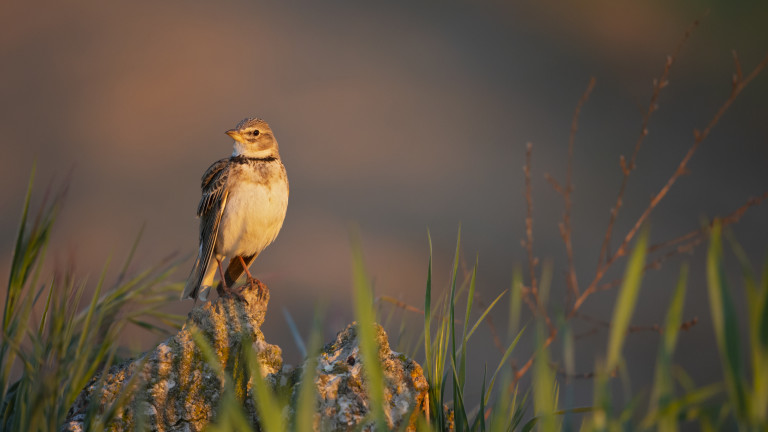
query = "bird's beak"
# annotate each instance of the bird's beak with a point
(234, 134)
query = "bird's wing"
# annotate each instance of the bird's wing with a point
(209, 210)
(213, 182)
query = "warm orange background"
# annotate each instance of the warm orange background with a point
(395, 117)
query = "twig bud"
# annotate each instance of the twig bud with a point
(623, 165)
(737, 65)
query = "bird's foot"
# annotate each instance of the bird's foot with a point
(225, 291)
(256, 285)
(253, 282)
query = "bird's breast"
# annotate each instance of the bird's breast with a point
(256, 205)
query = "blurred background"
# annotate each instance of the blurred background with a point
(397, 118)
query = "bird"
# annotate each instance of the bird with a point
(241, 211)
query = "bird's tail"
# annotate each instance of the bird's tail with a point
(202, 274)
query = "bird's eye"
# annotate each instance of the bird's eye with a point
(255, 132)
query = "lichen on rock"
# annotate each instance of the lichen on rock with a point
(342, 394)
(173, 388)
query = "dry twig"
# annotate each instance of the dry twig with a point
(566, 233)
(738, 85)
(732, 218)
(686, 243)
(579, 376)
(656, 328)
(491, 325)
(528, 242)
(536, 305)
(400, 304)
(605, 260)
(627, 169)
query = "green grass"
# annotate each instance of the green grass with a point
(58, 346)
(51, 347)
(369, 349)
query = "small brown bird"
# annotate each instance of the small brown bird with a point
(242, 209)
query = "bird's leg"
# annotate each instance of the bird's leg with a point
(225, 291)
(221, 274)
(251, 280)
(245, 267)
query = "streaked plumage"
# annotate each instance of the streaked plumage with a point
(242, 208)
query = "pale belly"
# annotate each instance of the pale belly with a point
(253, 216)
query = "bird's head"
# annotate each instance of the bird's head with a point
(254, 138)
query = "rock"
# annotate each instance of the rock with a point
(176, 390)
(172, 388)
(342, 400)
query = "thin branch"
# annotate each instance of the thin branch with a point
(656, 328)
(686, 243)
(627, 169)
(592, 331)
(555, 185)
(739, 83)
(699, 137)
(578, 376)
(527, 365)
(488, 320)
(732, 218)
(565, 228)
(685, 248)
(400, 304)
(491, 324)
(526, 294)
(656, 263)
(532, 261)
(658, 85)
(528, 242)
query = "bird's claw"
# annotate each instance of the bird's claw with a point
(236, 293)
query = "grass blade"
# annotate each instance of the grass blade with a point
(481, 413)
(725, 322)
(663, 381)
(515, 301)
(503, 361)
(267, 404)
(295, 333)
(428, 317)
(366, 333)
(458, 408)
(14, 288)
(464, 336)
(625, 303)
(544, 383)
(305, 405)
(482, 317)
